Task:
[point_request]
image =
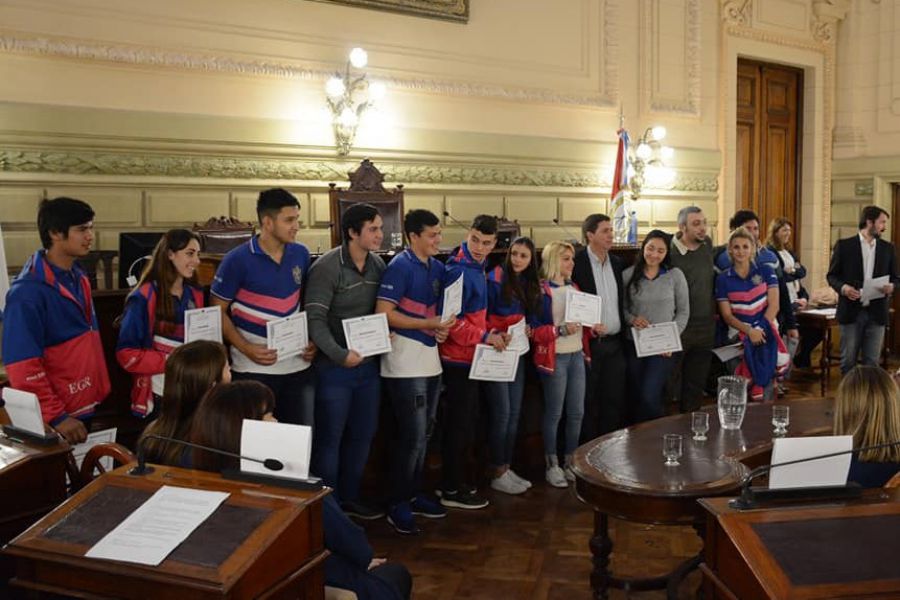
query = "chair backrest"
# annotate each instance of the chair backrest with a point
(894, 481)
(92, 465)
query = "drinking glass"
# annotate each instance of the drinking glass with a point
(700, 425)
(672, 449)
(781, 418)
(732, 401)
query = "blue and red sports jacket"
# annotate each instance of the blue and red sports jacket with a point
(144, 344)
(501, 312)
(51, 341)
(471, 324)
(544, 333)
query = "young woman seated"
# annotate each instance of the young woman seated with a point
(352, 564)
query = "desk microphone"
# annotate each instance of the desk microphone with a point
(143, 468)
(575, 238)
(751, 496)
(457, 222)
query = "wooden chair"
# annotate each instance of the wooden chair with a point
(92, 465)
(894, 481)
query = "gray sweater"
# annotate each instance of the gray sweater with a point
(658, 300)
(697, 266)
(336, 290)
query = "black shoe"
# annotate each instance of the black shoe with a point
(360, 510)
(465, 499)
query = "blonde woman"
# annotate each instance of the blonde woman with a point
(867, 407)
(560, 351)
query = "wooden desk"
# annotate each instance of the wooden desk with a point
(823, 323)
(621, 474)
(845, 550)
(262, 542)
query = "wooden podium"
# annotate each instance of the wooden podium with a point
(838, 550)
(262, 542)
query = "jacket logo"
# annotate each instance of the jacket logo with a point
(297, 272)
(80, 385)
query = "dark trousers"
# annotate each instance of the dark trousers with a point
(647, 379)
(414, 402)
(460, 420)
(605, 400)
(295, 394)
(689, 375)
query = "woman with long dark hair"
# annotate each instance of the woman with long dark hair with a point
(655, 292)
(153, 322)
(191, 370)
(514, 294)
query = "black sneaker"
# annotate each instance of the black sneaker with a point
(363, 511)
(465, 499)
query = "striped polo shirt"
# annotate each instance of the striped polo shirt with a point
(747, 296)
(260, 290)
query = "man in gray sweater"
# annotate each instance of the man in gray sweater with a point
(692, 252)
(343, 283)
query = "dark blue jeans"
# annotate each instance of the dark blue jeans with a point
(505, 400)
(295, 394)
(347, 403)
(647, 379)
(414, 402)
(863, 334)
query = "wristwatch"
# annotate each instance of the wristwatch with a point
(561, 330)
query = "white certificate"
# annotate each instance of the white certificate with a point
(368, 335)
(149, 534)
(582, 308)
(490, 365)
(519, 341)
(872, 288)
(453, 294)
(106, 436)
(288, 335)
(657, 339)
(203, 324)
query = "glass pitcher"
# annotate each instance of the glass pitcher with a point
(732, 401)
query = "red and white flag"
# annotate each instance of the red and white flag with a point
(620, 183)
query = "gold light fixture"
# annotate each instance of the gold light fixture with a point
(349, 97)
(647, 162)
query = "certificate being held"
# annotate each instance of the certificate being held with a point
(288, 336)
(490, 365)
(519, 341)
(452, 300)
(368, 335)
(203, 324)
(658, 338)
(582, 308)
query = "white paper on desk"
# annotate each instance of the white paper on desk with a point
(519, 341)
(825, 312)
(203, 324)
(815, 473)
(291, 444)
(24, 410)
(453, 294)
(106, 436)
(726, 353)
(149, 534)
(872, 288)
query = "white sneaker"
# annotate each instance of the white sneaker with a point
(506, 484)
(520, 480)
(569, 473)
(556, 478)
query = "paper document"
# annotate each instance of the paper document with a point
(490, 365)
(872, 288)
(368, 335)
(726, 353)
(825, 312)
(823, 472)
(106, 436)
(519, 341)
(291, 444)
(582, 308)
(658, 338)
(24, 410)
(203, 324)
(149, 534)
(453, 294)
(289, 336)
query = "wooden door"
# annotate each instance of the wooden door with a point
(769, 98)
(892, 338)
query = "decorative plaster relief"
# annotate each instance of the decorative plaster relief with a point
(656, 50)
(737, 12)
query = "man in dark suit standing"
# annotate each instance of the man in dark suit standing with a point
(855, 262)
(598, 272)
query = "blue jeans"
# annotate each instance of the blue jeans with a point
(564, 388)
(347, 403)
(647, 383)
(505, 400)
(295, 394)
(414, 401)
(862, 334)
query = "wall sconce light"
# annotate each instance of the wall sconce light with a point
(349, 97)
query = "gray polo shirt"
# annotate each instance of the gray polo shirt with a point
(335, 291)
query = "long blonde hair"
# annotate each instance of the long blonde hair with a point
(867, 406)
(550, 258)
